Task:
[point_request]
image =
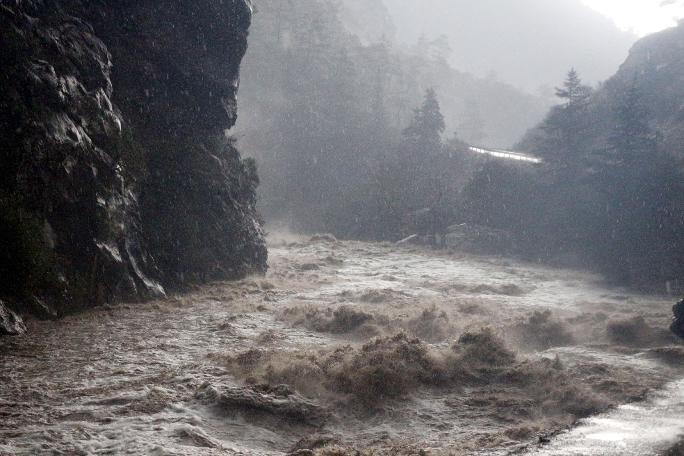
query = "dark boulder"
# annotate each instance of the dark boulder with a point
(11, 324)
(677, 326)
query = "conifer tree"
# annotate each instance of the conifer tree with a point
(574, 92)
(424, 134)
(567, 128)
(422, 158)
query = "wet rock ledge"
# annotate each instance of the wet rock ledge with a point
(116, 178)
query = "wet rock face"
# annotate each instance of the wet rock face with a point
(658, 61)
(111, 123)
(177, 64)
(176, 76)
(11, 324)
(60, 164)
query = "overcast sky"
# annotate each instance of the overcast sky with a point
(528, 43)
(639, 16)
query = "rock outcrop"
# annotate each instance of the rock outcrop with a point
(677, 326)
(658, 62)
(10, 323)
(116, 174)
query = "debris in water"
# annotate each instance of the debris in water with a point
(277, 400)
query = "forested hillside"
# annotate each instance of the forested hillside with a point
(611, 191)
(324, 109)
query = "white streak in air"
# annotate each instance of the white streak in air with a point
(507, 154)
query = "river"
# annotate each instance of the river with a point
(129, 379)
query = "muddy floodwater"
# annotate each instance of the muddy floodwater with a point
(347, 346)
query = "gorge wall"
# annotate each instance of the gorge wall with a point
(117, 180)
(657, 63)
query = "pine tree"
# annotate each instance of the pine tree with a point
(567, 129)
(424, 134)
(574, 92)
(422, 159)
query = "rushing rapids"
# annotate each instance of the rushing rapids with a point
(285, 363)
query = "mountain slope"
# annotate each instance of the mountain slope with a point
(657, 61)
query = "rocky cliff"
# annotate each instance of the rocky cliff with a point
(117, 179)
(657, 62)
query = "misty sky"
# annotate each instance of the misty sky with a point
(639, 16)
(528, 43)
